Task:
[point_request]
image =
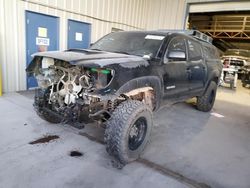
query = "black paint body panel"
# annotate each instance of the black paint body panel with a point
(132, 72)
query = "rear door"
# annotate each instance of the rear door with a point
(196, 65)
(175, 75)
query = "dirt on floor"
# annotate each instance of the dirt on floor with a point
(45, 139)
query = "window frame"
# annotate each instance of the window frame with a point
(168, 46)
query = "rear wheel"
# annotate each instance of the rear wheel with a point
(206, 101)
(128, 130)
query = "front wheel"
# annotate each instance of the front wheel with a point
(206, 101)
(39, 104)
(48, 117)
(128, 131)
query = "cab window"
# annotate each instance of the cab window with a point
(194, 50)
(176, 45)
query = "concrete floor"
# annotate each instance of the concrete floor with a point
(204, 148)
(49, 165)
(209, 149)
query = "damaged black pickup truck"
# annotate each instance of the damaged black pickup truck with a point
(121, 79)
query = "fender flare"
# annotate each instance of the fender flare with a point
(145, 81)
(214, 76)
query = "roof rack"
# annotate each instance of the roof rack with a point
(195, 33)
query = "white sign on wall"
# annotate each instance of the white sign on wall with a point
(42, 32)
(78, 36)
(42, 41)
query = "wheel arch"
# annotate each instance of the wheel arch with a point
(143, 82)
(214, 76)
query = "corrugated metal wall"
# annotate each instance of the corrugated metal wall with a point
(102, 14)
(166, 14)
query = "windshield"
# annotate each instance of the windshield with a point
(139, 44)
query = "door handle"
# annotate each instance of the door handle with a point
(189, 73)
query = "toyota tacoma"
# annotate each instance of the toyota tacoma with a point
(121, 79)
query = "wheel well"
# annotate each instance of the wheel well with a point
(152, 82)
(215, 79)
(144, 94)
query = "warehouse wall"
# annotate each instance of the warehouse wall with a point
(166, 14)
(171, 14)
(103, 15)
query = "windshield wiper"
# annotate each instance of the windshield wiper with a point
(121, 52)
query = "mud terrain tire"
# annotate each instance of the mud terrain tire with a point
(206, 101)
(128, 131)
(39, 109)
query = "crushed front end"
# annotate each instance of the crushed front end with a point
(68, 93)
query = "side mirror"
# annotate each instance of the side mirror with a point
(147, 57)
(177, 55)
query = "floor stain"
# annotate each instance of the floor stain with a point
(173, 174)
(92, 138)
(75, 153)
(45, 139)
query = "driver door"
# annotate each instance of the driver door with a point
(176, 72)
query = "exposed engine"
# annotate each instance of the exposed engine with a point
(66, 82)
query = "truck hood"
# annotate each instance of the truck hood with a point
(95, 58)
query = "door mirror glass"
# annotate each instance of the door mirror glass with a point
(177, 55)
